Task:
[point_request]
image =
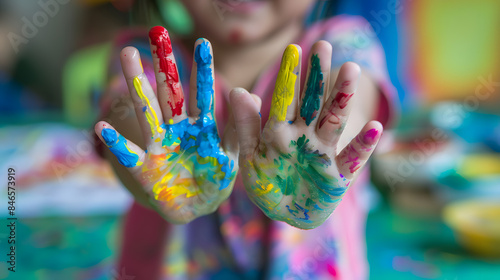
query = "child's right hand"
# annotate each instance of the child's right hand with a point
(186, 170)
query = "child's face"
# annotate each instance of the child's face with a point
(244, 21)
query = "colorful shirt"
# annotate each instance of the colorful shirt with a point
(238, 241)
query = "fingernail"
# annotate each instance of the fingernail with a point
(239, 90)
(109, 136)
(131, 62)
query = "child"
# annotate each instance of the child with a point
(295, 170)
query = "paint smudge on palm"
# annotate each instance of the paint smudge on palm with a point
(284, 89)
(160, 38)
(299, 213)
(295, 187)
(117, 144)
(314, 91)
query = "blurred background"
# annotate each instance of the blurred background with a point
(436, 178)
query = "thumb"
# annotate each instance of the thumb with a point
(257, 100)
(230, 139)
(246, 119)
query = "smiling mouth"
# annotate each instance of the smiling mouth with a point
(236, 2)
(242, 6)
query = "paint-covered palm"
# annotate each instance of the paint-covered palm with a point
(292, 170)
(186, 170)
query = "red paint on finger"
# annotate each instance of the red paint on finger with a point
(177, 99)
(341, 99)
(354, 161)
(352, 156)
(345, 84)
(330, 117)
(159, 37)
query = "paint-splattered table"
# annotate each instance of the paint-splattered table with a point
(67, 204)
(405, 247)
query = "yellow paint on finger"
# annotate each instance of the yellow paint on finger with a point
(139, 163)
(149, 112)
(284, 89)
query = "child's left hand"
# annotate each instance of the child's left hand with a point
(292, 171)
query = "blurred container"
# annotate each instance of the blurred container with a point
(476, 223)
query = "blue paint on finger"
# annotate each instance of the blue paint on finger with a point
(204, 79)
(117, 144)
(202, 136)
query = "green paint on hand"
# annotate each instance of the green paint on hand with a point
(314, 91)
(302, 176)
(310, 166)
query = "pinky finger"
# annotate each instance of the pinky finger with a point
(355, 155)
(128, 154)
